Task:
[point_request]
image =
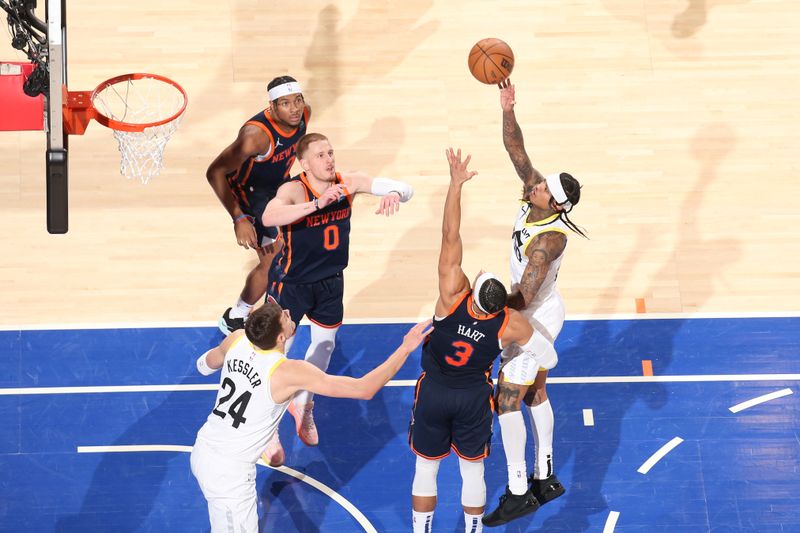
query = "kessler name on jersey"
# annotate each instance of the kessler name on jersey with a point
(242, 367)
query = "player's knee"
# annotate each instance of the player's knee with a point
(473, 486)
(536, 396)
(509, 397)
(425, 473)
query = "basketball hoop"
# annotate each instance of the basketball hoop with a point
(143, 110)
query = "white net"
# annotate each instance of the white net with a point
(136, 102)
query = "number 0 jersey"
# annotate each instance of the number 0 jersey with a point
(462, 347)
(317, 246)
(244, 415)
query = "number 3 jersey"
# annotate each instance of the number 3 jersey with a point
(462, 347)
(316, 246)
(244, 415)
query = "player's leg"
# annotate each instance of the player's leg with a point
(423, 494)
(326, 316)
(230, 490)
(297, 299)
(429, 438)
(255, 285)
(473, 494)
(548, 318)
(323, 341)
(472, 437)
(512, 385)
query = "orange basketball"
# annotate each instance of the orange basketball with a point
(490, 61)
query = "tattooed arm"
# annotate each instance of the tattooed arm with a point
(512, 139)
(542, 251)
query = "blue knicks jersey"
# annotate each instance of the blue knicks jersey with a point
(462, 347)
(317, 246)
(258, 179)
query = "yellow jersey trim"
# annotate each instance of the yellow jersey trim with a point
(278, 363)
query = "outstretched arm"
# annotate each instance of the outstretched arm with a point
(392, 192)
(542, 251)
(452, 280)
(294, 375)
(512, 137)
(290, 205)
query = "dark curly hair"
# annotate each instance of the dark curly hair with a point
(572, 188)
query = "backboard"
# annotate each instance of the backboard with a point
(57, 140)
(40, 32)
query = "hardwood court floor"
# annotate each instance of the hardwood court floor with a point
(679, 118)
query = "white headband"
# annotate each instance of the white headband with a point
(284, 89)
(476, 291)
(557, 190)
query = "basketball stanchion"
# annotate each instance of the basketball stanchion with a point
(143, 111)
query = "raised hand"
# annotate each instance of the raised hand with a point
(507, 100)
(458, 169)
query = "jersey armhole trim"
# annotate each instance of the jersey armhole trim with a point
(275, 366)
(503, 328)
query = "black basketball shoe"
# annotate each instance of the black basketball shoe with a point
(511, 507)
(228, 325)
(545, 490)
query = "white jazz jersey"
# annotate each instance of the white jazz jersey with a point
(244, 415)
(524, 233)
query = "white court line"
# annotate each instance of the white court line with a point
(656, 457)
(326, 490)
(407, 383)
(611, 522)
(105, 389)
(588, 417)
(760, 399)
(135, 448)
(401, 320)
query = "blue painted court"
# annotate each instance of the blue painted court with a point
(72, 400)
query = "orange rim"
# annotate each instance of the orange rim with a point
(132, 126)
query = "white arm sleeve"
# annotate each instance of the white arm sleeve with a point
(542, 350)
(384, 186)
(202, 365)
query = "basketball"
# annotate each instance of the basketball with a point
(491, 61)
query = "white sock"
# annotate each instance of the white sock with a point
(421, 522)
(472, 523)
(515, 436)
(241, 309)
(543, 423)
(323, 341)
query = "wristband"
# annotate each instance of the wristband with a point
(243, 216)
(316, 204)
(202, 365)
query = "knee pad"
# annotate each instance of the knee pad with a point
(473, 486)
(425, 474)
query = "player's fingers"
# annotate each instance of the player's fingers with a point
(469, 156)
